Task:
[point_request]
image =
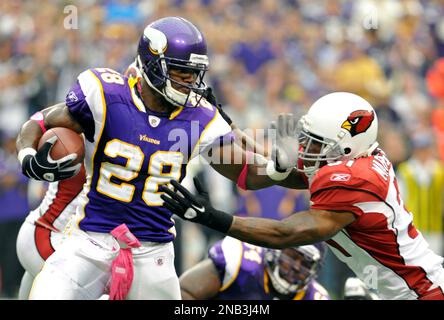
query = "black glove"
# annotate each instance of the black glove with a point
(224, 115)
(42, 167)
(195, 208)
(211, 98)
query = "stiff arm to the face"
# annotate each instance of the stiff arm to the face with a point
(301, 228)
(230, 159)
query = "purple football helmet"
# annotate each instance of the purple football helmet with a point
(173, 43)
(290, 270)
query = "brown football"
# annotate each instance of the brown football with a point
(68, 142)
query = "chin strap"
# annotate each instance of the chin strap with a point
(174, 96)
(169, 93)
(372, 148)
(281, 285)
(139, 66)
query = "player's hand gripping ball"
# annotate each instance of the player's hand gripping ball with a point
(59, 156)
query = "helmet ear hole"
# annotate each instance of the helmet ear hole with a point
(347, 151)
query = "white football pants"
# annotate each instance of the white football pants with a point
(32, 247)
(80, 269)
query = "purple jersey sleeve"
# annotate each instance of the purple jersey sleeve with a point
(79, 109)
(216, 255)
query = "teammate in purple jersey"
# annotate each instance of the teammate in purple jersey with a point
(137, 138)
(236, 270)
(273, 203)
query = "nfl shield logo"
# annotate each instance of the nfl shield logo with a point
(154, 121)
(72, 97)
(159, 261)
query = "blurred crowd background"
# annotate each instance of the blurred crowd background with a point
(266, 57)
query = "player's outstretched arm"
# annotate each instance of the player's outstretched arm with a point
(244, 161)
(38, 164)
(201, 282)
(301, 228)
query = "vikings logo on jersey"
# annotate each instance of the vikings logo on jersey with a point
(358, 121)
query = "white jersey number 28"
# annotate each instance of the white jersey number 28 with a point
(134, 155)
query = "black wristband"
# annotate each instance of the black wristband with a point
(218, 220)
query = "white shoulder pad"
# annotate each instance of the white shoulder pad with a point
(217, 128)
(93, 90)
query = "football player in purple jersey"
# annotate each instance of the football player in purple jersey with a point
(236, 270)
(138, 136)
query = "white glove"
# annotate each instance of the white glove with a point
(285, 150)
(355, 289)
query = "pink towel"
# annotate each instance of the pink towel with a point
(122, 270)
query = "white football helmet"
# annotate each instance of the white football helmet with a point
(338, 126)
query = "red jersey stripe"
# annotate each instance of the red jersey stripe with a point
(67, 191)
(389, 255)
(42, 239)
(338, 247)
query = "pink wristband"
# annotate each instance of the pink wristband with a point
(242, 179)
(40, 119)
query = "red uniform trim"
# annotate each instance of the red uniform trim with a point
(242, 179)
(42, 238)
(434, 294)
(336, 245)
(358, 176)
(301, 166)
(384, 248)
(413, 233)
(67, 191)
(341, 198)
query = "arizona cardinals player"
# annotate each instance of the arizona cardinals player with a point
(355, 204)
(236, 270)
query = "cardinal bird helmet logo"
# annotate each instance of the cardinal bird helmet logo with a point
(358, 121)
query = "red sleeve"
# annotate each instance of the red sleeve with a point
(339, 187)
(340, 199)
